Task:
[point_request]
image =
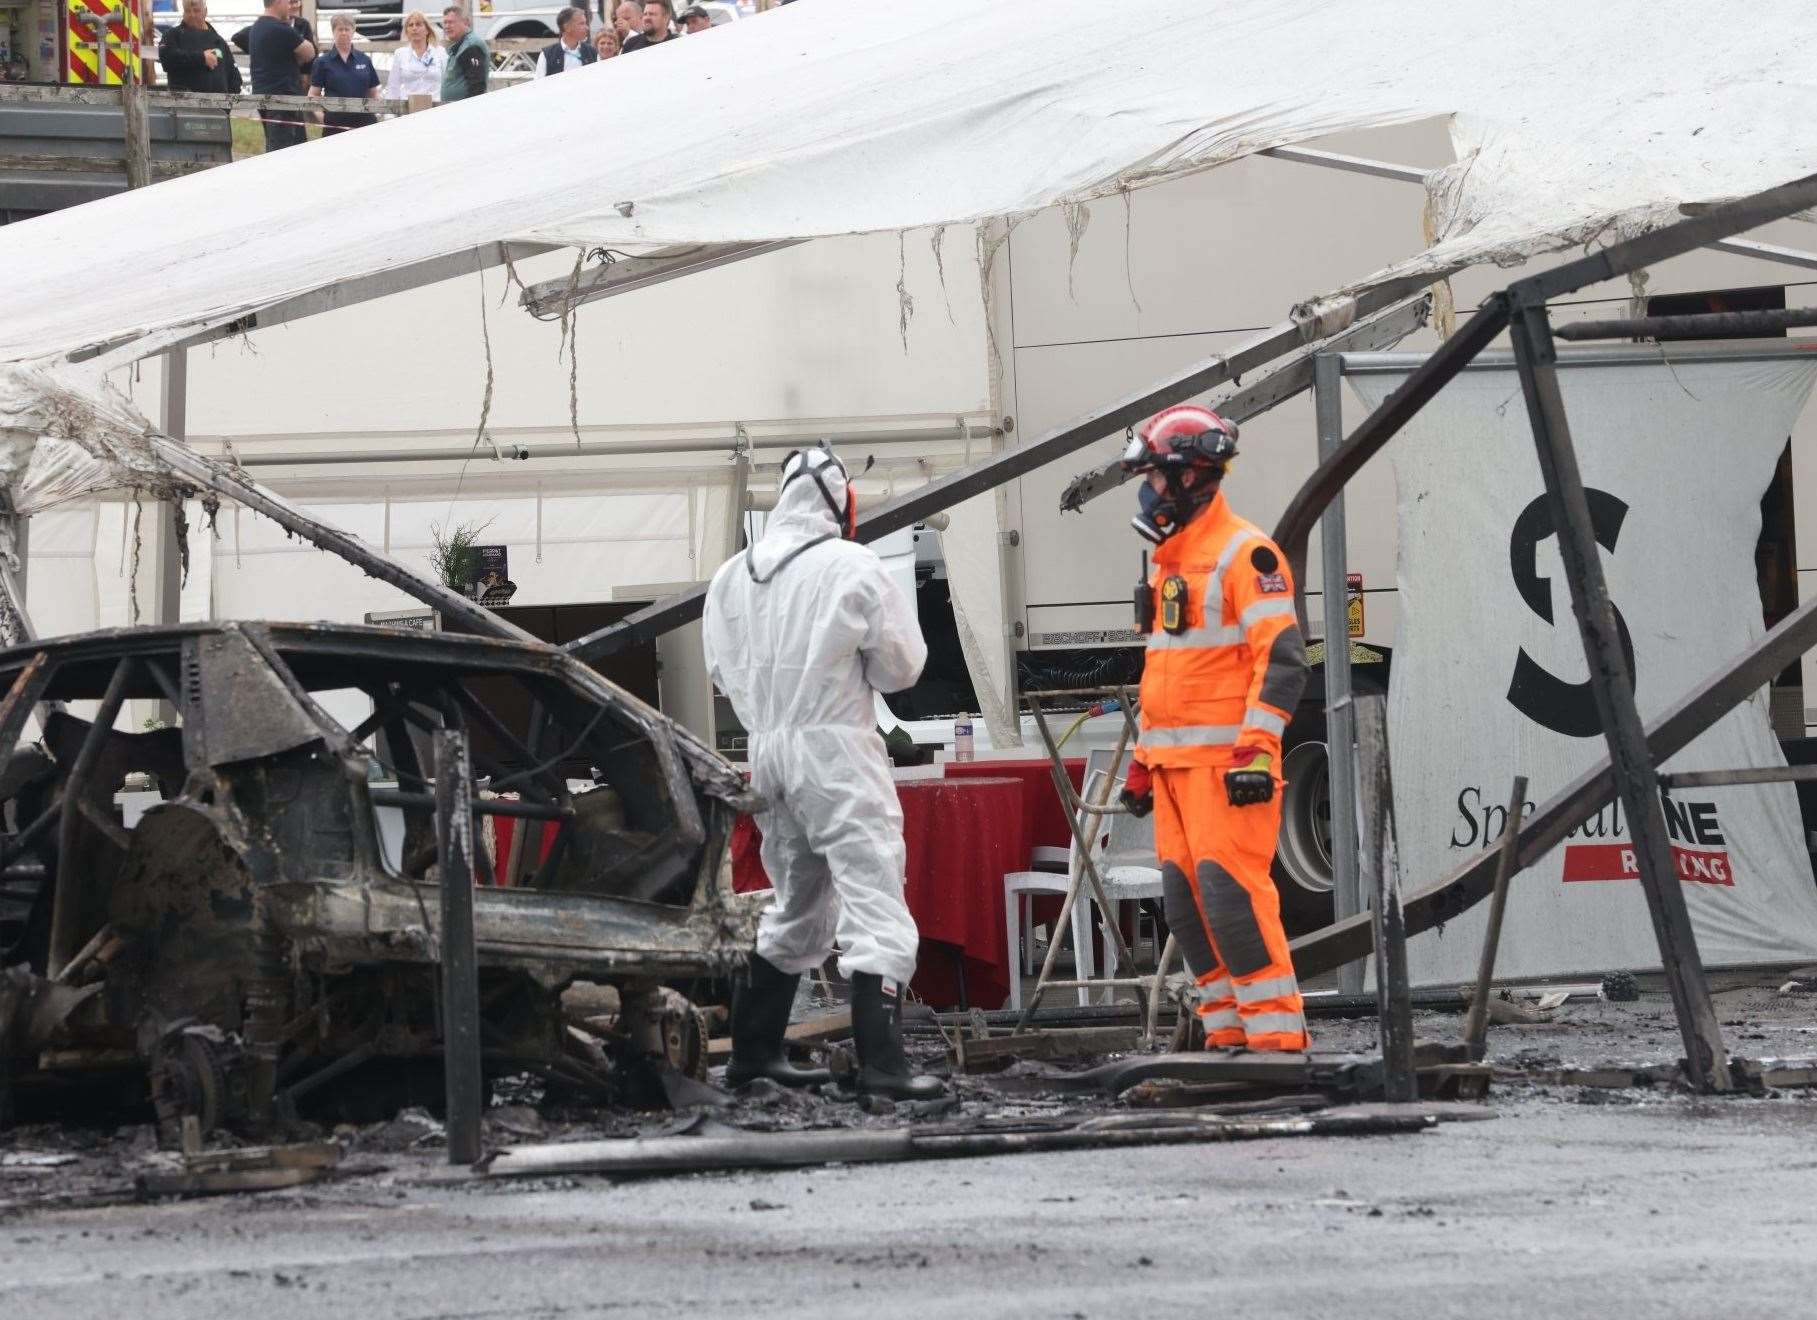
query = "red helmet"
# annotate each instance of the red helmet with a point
(1185, 435)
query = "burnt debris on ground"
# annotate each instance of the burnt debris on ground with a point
(1591, 1051)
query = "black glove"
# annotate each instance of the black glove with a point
(1138, 795)
(1251, 784)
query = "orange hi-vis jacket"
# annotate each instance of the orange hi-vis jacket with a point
(1233, 676)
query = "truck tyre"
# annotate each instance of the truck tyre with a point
(1302, 857)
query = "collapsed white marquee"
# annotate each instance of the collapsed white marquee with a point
(1489, 672)
(845, 116)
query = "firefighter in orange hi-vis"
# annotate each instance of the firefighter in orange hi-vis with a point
(1224, 670)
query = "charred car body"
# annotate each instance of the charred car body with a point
(251, 937)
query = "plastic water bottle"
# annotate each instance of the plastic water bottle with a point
(962, 738)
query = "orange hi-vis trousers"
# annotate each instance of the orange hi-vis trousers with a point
(1224, 912)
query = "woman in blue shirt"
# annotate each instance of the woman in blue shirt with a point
(344, 71)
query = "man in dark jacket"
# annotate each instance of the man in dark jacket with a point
(469, 61)
(571, 50)
(658, 26)
(195, 57)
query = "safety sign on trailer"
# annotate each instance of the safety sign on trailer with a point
(101, 40)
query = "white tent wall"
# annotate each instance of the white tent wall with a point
(810, 333)
(60, 589)
(590, 545)
(802, 341)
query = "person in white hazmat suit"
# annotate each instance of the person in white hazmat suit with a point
(799, 630)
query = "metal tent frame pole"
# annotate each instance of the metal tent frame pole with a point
(1536, 357)
(1308, 326)
(1340, 710)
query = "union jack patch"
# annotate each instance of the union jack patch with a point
(1271, 582)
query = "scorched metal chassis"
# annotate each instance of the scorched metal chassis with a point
(247, 940)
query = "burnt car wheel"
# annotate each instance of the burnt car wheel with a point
(684, 1035)
(189, 1079)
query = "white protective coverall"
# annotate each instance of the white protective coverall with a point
(799, 655)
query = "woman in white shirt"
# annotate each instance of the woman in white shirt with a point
(416, 65)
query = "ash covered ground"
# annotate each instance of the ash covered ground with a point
(1573, 1199)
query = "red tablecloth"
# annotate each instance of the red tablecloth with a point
(963, 836)
(1044, 815)
(503, 827)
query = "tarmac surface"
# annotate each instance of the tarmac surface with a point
(1572, 1201)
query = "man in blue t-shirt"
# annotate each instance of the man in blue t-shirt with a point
(279, 55)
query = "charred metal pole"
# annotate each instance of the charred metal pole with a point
(1381, 426)
(65, 898)
(1476, 1025)
(223, 481)
(1393, 995)
(1340, 714)
(460, 958)
(21, 699)
(1692, 325)
(1636, 779)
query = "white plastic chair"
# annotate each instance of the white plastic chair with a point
(1130, 870)
(1046, 857)
(1018, 918)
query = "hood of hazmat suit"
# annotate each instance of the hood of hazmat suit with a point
(799, 631)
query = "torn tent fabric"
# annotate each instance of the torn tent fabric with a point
(839, 116)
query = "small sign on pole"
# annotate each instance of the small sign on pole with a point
(420, 619)
(1353, 605)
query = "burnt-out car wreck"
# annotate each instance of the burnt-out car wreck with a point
(270, 924)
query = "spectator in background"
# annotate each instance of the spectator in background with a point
(344, 71)
(605, 42)
(626, 21)
(658, 22)
(195, 57)
(570, 50)
(417, 65)
(279, 55)
(293, 13)
(695, 19)
(469, 62)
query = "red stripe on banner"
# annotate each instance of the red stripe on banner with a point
(1616, 861)
(115, 65)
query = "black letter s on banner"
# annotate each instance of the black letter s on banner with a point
(1567, 708)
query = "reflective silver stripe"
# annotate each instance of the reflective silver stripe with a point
(1275, 987)
(1269, 1024)
(1223, 1019)
(1210, 607)
(1222, 988)
(1194, 638)
(1264, 609)
(1192, 735)
(1257, 718)
(1242, 537)
(1214, 585)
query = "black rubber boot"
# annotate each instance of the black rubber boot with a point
(877, 1032)
(761, 1000)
